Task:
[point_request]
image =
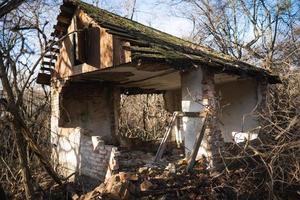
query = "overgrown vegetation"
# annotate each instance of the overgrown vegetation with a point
(143, 116)
(36, 112)
(268, 169)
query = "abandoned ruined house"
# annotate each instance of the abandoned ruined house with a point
(102, 55)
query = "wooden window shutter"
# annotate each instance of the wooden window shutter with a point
(93, 46)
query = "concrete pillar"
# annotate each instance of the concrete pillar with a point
(198, 94)
(191, 85)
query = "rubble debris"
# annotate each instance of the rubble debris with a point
(171, 168)
(132, 160)
(156, 182)
(147, 185)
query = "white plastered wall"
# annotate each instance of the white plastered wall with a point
(238, 101)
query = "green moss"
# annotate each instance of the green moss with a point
(103, 16)
(163, 45)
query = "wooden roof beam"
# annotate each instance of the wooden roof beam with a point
(121, 34)
(141, 49)
(139, 43)
(113, 27)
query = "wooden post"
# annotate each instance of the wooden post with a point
(162, 145)
(177, 133)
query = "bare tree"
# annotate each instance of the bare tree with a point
(248, 30)
(19, 29)
(8, 5)
(130, 7)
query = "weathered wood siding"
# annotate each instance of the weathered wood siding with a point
(101, 49)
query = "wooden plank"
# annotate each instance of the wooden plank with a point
(113, 27)
(47, 69)
(192, 158)
(153, 67)
(53, 49)
(162, 145)
(48, 63)
(54, 57)
(140, 43)
(121, 34)
(141, 49)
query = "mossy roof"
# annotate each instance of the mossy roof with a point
(162, 46)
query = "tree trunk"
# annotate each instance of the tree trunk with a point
(17, 127)
(26, 175)
(23, 134)
(33, 146)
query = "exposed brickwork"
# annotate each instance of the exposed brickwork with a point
(95, 160)
(262, 91)
(214, 136)
(55, 90)
(77, 154)
(113, 163)
(82, 143)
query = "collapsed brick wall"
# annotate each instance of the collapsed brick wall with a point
(83, 141)
(90, 162)
(97, 161)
